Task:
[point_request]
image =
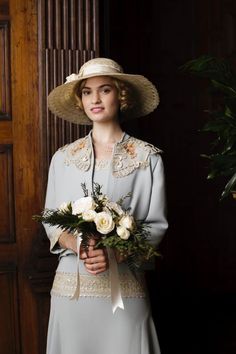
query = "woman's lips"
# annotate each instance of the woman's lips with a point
(97, 109)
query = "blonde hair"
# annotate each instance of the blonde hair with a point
(125, 95)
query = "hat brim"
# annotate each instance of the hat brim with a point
(63, 103)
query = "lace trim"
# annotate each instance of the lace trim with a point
(102, 165)
(95, 286)
(131, 155)
(79, 153)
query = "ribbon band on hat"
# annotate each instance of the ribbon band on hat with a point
(99, 69)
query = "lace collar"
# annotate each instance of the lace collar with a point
(129, 154)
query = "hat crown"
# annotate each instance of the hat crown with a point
(99, 66)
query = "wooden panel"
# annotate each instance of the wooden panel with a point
(7, 223)
(70, 24)
(27, 157)
(4, 71)
(4, 9)
(9, 327)
(8, 252)
(59, 63)
(5, 132)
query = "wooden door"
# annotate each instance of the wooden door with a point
(19, 170)
(41, 42)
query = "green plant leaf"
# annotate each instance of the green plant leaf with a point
(229, 186)
(224, 88)
(212, 68)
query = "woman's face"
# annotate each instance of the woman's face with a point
(100, 99)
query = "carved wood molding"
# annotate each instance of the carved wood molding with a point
(7, 216)
(68, 36)
(5, 100)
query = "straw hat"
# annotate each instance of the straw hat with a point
(63, 103)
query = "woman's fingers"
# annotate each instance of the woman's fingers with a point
(84, 251)
(96, 268)
(96, 257)
(91, 242)
(96, 261)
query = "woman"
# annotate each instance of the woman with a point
(89, 286)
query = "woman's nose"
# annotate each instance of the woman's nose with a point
(96, 97)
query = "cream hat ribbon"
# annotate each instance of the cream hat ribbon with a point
(99, 69)
(93, 69)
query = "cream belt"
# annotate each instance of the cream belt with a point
(96, 286)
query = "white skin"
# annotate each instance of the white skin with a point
(101, 104)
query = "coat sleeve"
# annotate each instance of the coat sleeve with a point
(156, 217)
(53, 232)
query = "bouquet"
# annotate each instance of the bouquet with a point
(107, 221)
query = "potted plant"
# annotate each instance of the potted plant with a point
(222, 122)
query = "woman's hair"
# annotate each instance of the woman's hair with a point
(125, 95)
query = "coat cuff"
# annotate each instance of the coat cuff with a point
(54, 244)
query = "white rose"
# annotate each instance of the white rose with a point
(104, 222)
(128, 222)
(64, 206)
(123, 232)
(116, 207)
(89, 215)
(83, 204)
(71, 77)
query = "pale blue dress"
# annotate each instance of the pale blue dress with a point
(87, 325)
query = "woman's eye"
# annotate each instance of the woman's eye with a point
(85, 92)
(106, 90)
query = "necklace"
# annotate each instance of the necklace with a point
(104, 147)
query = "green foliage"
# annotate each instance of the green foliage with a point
(136, 247)
(222, 79)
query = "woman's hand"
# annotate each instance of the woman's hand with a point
(95, 260)
(68, 241)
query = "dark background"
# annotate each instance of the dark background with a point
(193, 288)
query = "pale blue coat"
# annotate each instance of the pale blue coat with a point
(87, 325)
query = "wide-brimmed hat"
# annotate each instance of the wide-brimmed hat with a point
(62, 100)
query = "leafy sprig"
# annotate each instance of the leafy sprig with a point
(222, 79)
